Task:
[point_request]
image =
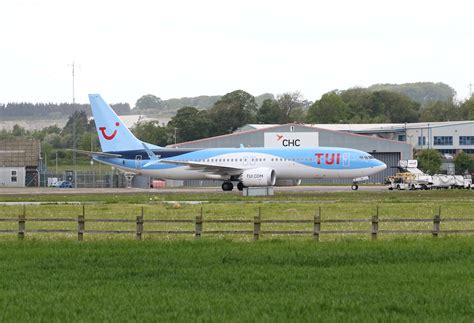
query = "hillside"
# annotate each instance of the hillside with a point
(169, 107)
(421, 92)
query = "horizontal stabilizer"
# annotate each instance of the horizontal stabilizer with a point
(95, 153)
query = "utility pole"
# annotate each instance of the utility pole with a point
(73, 66)
(470, 90)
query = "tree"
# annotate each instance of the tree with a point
(467, 109)
(396, 107)
(149, 101)
(18, 131)
(152, 132)
(440, 111)
(463, 163)
(429, 160)
(270, 112)
(291, 104)
(329, 109)
(358, 101)
(190, 124)
(232, 111)
(77, 122)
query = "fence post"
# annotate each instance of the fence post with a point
(317, 225)
(22, 224)
(139, 229)
(198, 225)
(436, 223)
(81, 224)
(256, 225)
(375, 224)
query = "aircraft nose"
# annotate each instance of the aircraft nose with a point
(380, 165)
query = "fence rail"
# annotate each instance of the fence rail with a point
(256, 231)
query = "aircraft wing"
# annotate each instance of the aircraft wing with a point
(95, 153)
(205, 168)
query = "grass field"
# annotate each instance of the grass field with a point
(214, 280)
(51, 277)
(342, 205)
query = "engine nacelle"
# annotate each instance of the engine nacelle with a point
(262, 176)
(288, 182)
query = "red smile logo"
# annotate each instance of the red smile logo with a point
(107, 137)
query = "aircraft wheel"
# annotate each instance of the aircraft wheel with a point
(355, 187)
(240, 186)
(227, 186)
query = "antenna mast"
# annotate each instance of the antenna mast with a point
(73, 65)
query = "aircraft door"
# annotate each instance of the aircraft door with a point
(346, 160)
(138, 161)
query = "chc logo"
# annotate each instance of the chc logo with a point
(109, 137)
(289, 142)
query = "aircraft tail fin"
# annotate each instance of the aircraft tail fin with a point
(113, 134)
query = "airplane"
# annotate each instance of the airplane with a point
(249, 167)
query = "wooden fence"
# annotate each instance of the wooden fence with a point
(257, 222)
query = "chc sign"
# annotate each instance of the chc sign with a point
(291, 139)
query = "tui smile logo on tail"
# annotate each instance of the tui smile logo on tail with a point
(109, 137)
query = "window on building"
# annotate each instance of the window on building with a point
(14, 177)
(447, 151)
(469, 151)
(466, 140)
(422, 141)
(402, 138)
(443, 140)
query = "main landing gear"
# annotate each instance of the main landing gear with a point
(228, 186)
(355, 187)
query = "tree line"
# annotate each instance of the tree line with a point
(237, 108)
(357, 105)
(53, 110)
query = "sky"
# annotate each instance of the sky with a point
(185, 48)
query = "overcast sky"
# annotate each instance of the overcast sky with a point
(183, 48)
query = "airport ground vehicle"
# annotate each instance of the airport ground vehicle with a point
(412, 178)
(408, 181)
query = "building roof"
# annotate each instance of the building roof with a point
(18, 152)
(367, 127)
(260, 127)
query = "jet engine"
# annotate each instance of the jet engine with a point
(262, 176)
(287, 182)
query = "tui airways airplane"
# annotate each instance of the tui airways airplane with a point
(249, 167)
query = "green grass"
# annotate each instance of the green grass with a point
(158, 196)
(213, 280)
(350, 205)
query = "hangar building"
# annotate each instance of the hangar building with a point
(19, 162)
(449, 137)
(299, 135)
